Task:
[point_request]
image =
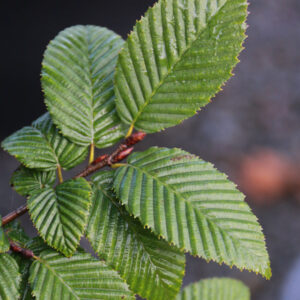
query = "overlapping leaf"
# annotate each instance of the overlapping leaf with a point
(26, 181)
(77, 78)
(16, 233)
(9, 278)
(215, 289)
(24, 266)
(41, 146)
(176, 59)
(53, 276)
(189, 203)
(61, 215)
(152, 268)
(4, 242)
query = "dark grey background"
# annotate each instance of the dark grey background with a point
(258, 107)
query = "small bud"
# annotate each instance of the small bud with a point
(99, 159)
(135, 138)
(123, 154)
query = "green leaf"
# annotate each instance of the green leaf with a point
(77, 78)
(24, 266)
(215, 289)
(4, 242)
(9, 278)
(152, 268)
(176, 59)
(26, 181)
(189, 203)
(54, 277)
(61, 215)
(16, 233)
(42, 147)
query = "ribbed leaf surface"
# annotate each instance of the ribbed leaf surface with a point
(9, 278)
(54, 277)
(77, 78)
(16, 233)
(26, 181)
(176, 59)
(41, 146)
(189, 203)
(61, 215)
(215, 289)
(24, 266)
(4, 242)
(152, 268)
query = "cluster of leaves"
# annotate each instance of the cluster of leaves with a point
(141, 216)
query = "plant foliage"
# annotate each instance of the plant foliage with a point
(143, 215)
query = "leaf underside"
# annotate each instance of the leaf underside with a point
(215, 289)
(176, 59)
(189, 203)
(152, 268)
(60, 215)
(42, 147)
(26, 181)
(9, 278)
(54, 276)
(77, 78)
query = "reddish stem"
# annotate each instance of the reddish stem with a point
(25, 252)
(104, 160)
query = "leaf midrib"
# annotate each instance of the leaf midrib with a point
(175, 63)
(51, 269)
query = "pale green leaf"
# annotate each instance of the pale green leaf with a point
(42, 147)
(26, 181)
(4, 242)
(215, 289)
(60, 215)
(152, 268)
(189, 203)
(55, 277)
(9, 278)
(77, 78)
(176, 59)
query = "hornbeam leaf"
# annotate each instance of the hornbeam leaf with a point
(60, 215)
(26, 181)
(176, 59)
(152, 268)
(24, 266)
(42, 147)
(77, 78)
(9, 278)
(4, 242)
(16, 233)
(189, 203)
(215, 289)
(55, 277)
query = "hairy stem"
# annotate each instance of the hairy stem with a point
(14, 214)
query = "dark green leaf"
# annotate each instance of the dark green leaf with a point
(10, 278)
(152, 268)
(176, 59)
(61, 215)
(215, 289)
(26, 181)
(41, 146)
(4, 242)
(55, 277)
(77, 79)
(189, 203)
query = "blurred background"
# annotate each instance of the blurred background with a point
(251, 130)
